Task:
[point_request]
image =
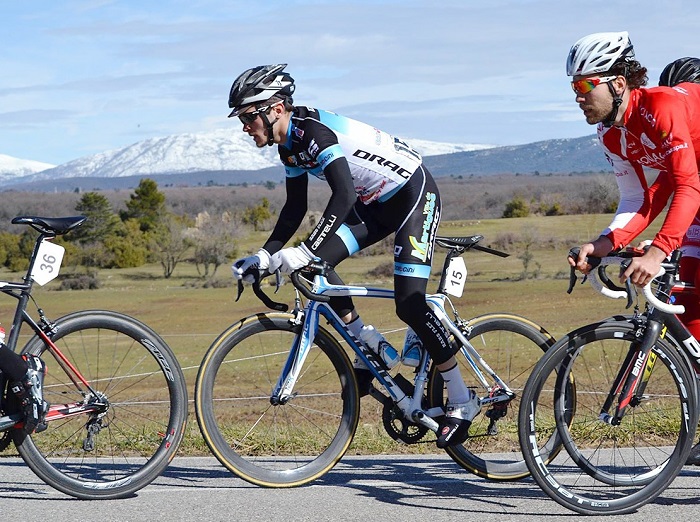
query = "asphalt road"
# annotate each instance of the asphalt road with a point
(400, 488)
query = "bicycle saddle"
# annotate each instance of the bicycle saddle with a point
(48, 225)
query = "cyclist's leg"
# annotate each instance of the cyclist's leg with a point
(418, 204)
(690, 272)
(12, 364)
(26, 377)
(357, 231)
(351, 237)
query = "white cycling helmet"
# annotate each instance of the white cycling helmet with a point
(598, 52)
(259, 84)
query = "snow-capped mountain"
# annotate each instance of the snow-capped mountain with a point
(180, 153)
(437, 148)
(219, 150)
(12, 168)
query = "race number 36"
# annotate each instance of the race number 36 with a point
(456, 277)
(48, 262)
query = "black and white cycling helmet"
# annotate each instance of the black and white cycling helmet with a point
(598, 52)
(258, 85)
(682, 70)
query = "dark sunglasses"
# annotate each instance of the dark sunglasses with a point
(248, 118)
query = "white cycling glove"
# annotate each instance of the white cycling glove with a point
(261, 261)
(288, 260)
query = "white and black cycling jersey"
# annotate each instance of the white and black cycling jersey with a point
(379, 163)
(379, 187)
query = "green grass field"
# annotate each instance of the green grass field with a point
(189, 318)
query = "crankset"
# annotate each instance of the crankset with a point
(400, 428)
(395, 423)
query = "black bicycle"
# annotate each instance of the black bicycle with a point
(628, 421)
(117, 393)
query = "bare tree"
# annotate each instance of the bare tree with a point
(169, 242)
(214, 239)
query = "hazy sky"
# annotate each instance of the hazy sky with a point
(78, 77)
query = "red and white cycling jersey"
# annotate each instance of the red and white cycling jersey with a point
(662, 132)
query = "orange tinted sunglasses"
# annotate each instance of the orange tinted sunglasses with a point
(588, 84)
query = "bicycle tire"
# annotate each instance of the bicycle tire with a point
(134, 441)
(511, 345)
(608, 469)
(282, 445)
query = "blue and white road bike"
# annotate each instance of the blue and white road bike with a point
(278, 402)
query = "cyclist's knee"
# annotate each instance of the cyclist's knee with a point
(341, 305)
(412, 309)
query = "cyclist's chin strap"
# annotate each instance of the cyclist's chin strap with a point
(268, 126)
(617, 101)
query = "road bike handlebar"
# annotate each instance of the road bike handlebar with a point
(602, 283)
(456, 246)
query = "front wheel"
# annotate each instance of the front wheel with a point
(137, 404)
(511, 345)
(608, 469)
(275, 445)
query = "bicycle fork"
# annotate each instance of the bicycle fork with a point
(631, 381)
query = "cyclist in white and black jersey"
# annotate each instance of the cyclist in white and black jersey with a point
(379, 186)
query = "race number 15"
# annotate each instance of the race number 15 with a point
(456, 277)
(48, 262)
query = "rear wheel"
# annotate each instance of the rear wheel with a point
(511, 345)
(126, 442)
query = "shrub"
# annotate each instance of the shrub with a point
(517, 207)
(80, 282)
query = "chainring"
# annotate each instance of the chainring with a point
(400, 428)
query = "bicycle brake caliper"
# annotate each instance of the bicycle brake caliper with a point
(48, 327)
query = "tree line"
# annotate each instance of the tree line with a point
(202, 225)
(145, 231)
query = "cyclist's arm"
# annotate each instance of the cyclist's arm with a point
(292, 213)
(636, 212)
(671, 123)
(682, 211)
(639, 204)
(343, 197)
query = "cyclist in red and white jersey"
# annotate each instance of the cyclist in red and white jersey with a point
(642, 129)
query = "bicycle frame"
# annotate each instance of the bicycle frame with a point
(411, 406)
(630, 382)
(22, 292)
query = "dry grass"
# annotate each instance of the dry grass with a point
(190, 317)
